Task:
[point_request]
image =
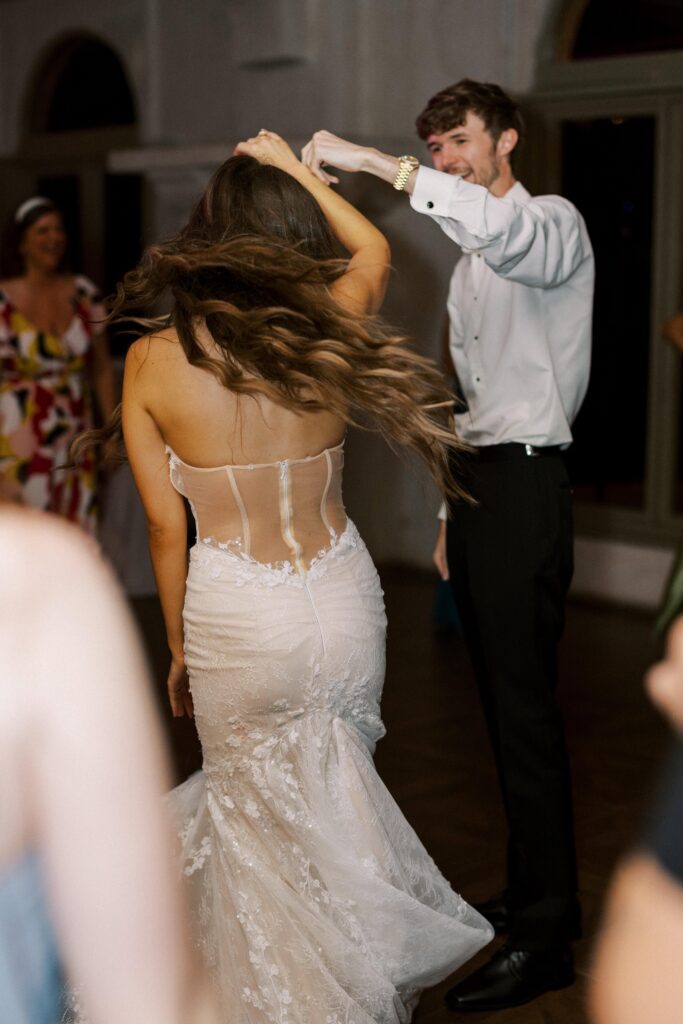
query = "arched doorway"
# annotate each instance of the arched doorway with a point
(79, 85)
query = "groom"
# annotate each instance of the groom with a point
(520, 305)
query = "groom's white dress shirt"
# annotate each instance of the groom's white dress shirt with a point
(520, 306)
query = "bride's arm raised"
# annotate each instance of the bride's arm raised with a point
(164, 511)
(362, 287)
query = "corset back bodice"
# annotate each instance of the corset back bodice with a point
(286, 511)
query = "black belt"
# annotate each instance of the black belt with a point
(514, 450)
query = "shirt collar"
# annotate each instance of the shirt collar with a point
(517, 194)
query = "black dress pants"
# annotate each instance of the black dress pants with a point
(510, 559)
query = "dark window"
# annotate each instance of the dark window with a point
(619, 27)
(608, 172)
(123, 231)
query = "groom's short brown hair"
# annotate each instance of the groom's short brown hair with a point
(449, 108)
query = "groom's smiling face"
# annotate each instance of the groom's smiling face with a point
(467, 149)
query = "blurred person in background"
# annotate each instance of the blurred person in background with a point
(637, 973)
(88, 882)
(672, 330)
(55, 368)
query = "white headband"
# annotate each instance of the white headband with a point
(29, 205)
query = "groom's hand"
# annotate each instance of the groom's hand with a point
(326, 148)
(439, 557)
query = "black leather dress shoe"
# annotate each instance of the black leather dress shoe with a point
(497, 913)
(512, 977)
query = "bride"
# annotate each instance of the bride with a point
(314, 900)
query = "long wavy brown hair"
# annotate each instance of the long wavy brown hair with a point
(255, 263)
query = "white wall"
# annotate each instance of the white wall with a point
(207, 73)
(211, 70)
(30, 28)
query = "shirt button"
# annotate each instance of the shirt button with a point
(476, 337)
(430, 204)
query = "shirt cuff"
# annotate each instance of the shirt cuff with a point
(434, 192)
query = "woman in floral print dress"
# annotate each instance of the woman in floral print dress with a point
(53, 357)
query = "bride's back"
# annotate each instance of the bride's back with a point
(207, 424)
(263, 480)
(260, 293)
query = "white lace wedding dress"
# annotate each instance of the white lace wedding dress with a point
(315, 901)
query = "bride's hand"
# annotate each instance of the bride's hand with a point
(178, 685)
(270, 148)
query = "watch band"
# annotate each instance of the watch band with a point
(406, 165)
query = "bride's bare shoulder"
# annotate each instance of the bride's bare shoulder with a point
(156, 350)
(164, 342)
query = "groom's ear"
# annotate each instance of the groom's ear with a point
(507, 141)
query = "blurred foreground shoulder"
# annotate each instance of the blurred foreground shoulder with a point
(40, 552)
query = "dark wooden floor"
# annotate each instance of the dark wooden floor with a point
(436, 761)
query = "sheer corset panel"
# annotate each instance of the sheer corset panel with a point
(276, 512)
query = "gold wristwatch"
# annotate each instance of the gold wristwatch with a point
(406, 166)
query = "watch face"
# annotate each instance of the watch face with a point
(406, 165)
